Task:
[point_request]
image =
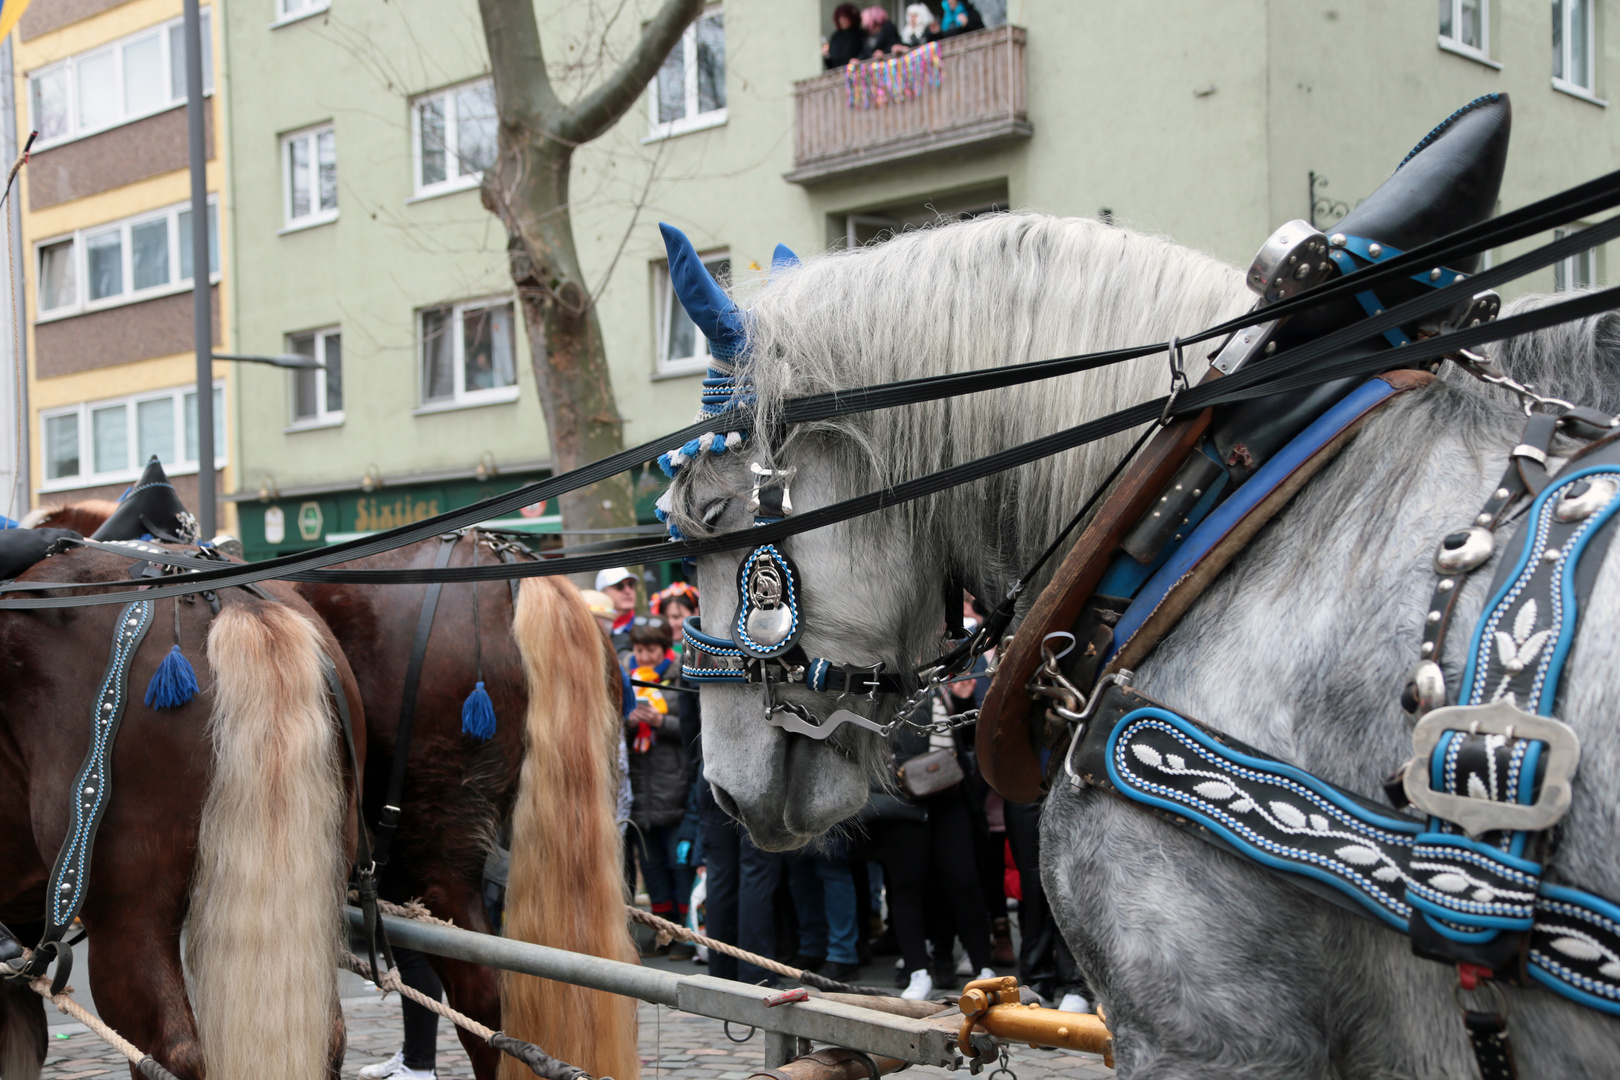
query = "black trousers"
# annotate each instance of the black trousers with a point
(421, 1024)
(1045, 964)
(740, 905)
(929, 868)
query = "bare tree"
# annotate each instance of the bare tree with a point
(528, 189)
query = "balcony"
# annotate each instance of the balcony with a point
(981, 99)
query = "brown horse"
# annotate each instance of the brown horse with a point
(552, 765)
(82, 517)
(231, 812)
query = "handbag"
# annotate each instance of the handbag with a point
(930, 773)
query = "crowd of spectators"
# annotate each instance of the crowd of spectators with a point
(870, 34)
(917, 875)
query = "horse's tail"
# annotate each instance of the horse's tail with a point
(566, 887)
(265, 910)
(22, 1032)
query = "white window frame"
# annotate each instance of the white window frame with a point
(1579, 270)
(87, 477)
(316, 215)
(461, 397)
(130, 295)
(283, 16)
(664, 306)
(460, 181)
(69, 69)
(1570, 10)
(1454, 44)
(693, 120)
(324, 417)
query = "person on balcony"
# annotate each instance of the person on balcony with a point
(882, 37)
(921, 26)
(848, 40)
(958, 17)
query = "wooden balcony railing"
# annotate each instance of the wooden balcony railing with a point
(981, 98)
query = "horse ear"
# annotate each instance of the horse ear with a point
(783, 259)
(704, 300)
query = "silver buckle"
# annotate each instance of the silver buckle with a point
(764, 478)
(1478, 816)
(1122, 677)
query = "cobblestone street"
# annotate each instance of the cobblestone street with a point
(674, 1046)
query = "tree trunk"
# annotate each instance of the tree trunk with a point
(528, 189)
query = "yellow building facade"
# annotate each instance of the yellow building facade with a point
(106, 238)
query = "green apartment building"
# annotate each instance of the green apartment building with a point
(357, 130)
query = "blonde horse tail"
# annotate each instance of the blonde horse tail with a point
(566, 886)
(265, 910)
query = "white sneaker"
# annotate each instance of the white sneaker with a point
(964, 966)
(986, 973)
(1074, 1003)
(922, 985)
(384, 1069)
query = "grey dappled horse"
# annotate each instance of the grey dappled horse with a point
(1206, 965)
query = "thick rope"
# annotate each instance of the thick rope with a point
(64, 1002)
(539, 1062)
(668, 930)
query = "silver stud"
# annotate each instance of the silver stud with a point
(1380, 311)
(1499, 494)
(64, 888)
(1337, 239)
(1514, 666)
(1483, 519)
(1271, 347)
(1428, 648)
(1552, 554)
(1447, 584)
(107, 707)
(1434, 616)
(1434, 275)
(1178, 487)
(1375, 250)
(1155, 513)
(1197, 492)
(89, 791)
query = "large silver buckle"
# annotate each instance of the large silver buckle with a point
(1478, 816)
(764, 478)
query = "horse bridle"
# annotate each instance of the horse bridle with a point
(762, 645)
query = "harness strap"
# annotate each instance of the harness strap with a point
(1338, 845)
(388, 819)
(69, 880)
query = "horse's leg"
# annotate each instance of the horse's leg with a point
(1206, 967)
(135, 970)
(470, 988)
(23, 1038)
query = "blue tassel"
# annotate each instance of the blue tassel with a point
(478, 715)
(173, 684)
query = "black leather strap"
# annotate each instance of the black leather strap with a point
(388, 820)
(1488, 1035)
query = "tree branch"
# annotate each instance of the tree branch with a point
(523, 92)
(601, 108)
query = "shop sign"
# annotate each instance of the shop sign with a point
(310, 521)
(275, 525)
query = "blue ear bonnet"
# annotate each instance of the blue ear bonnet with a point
(722, 323)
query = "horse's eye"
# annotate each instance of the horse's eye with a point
(712, 512)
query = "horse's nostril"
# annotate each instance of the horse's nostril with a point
(723, 799)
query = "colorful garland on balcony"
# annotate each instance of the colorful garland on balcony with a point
(899, 78)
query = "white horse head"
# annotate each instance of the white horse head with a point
(997, 290)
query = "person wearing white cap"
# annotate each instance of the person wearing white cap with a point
(619, 584)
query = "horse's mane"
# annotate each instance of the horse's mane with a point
(997, 290)
(1578, 361)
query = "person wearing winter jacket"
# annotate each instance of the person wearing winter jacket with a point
(658, 778)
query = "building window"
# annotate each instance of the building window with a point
(297, 9)
(1572, 36)
(454, 137)
(1579, 271)
(108, 442)
(317, 394)
(309, 170)
(681, 348)
(122, 262)
(468, 353)
(1463, 26)
(690, 90)
(131, 78)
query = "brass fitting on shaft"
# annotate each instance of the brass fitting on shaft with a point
(994, 1006)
